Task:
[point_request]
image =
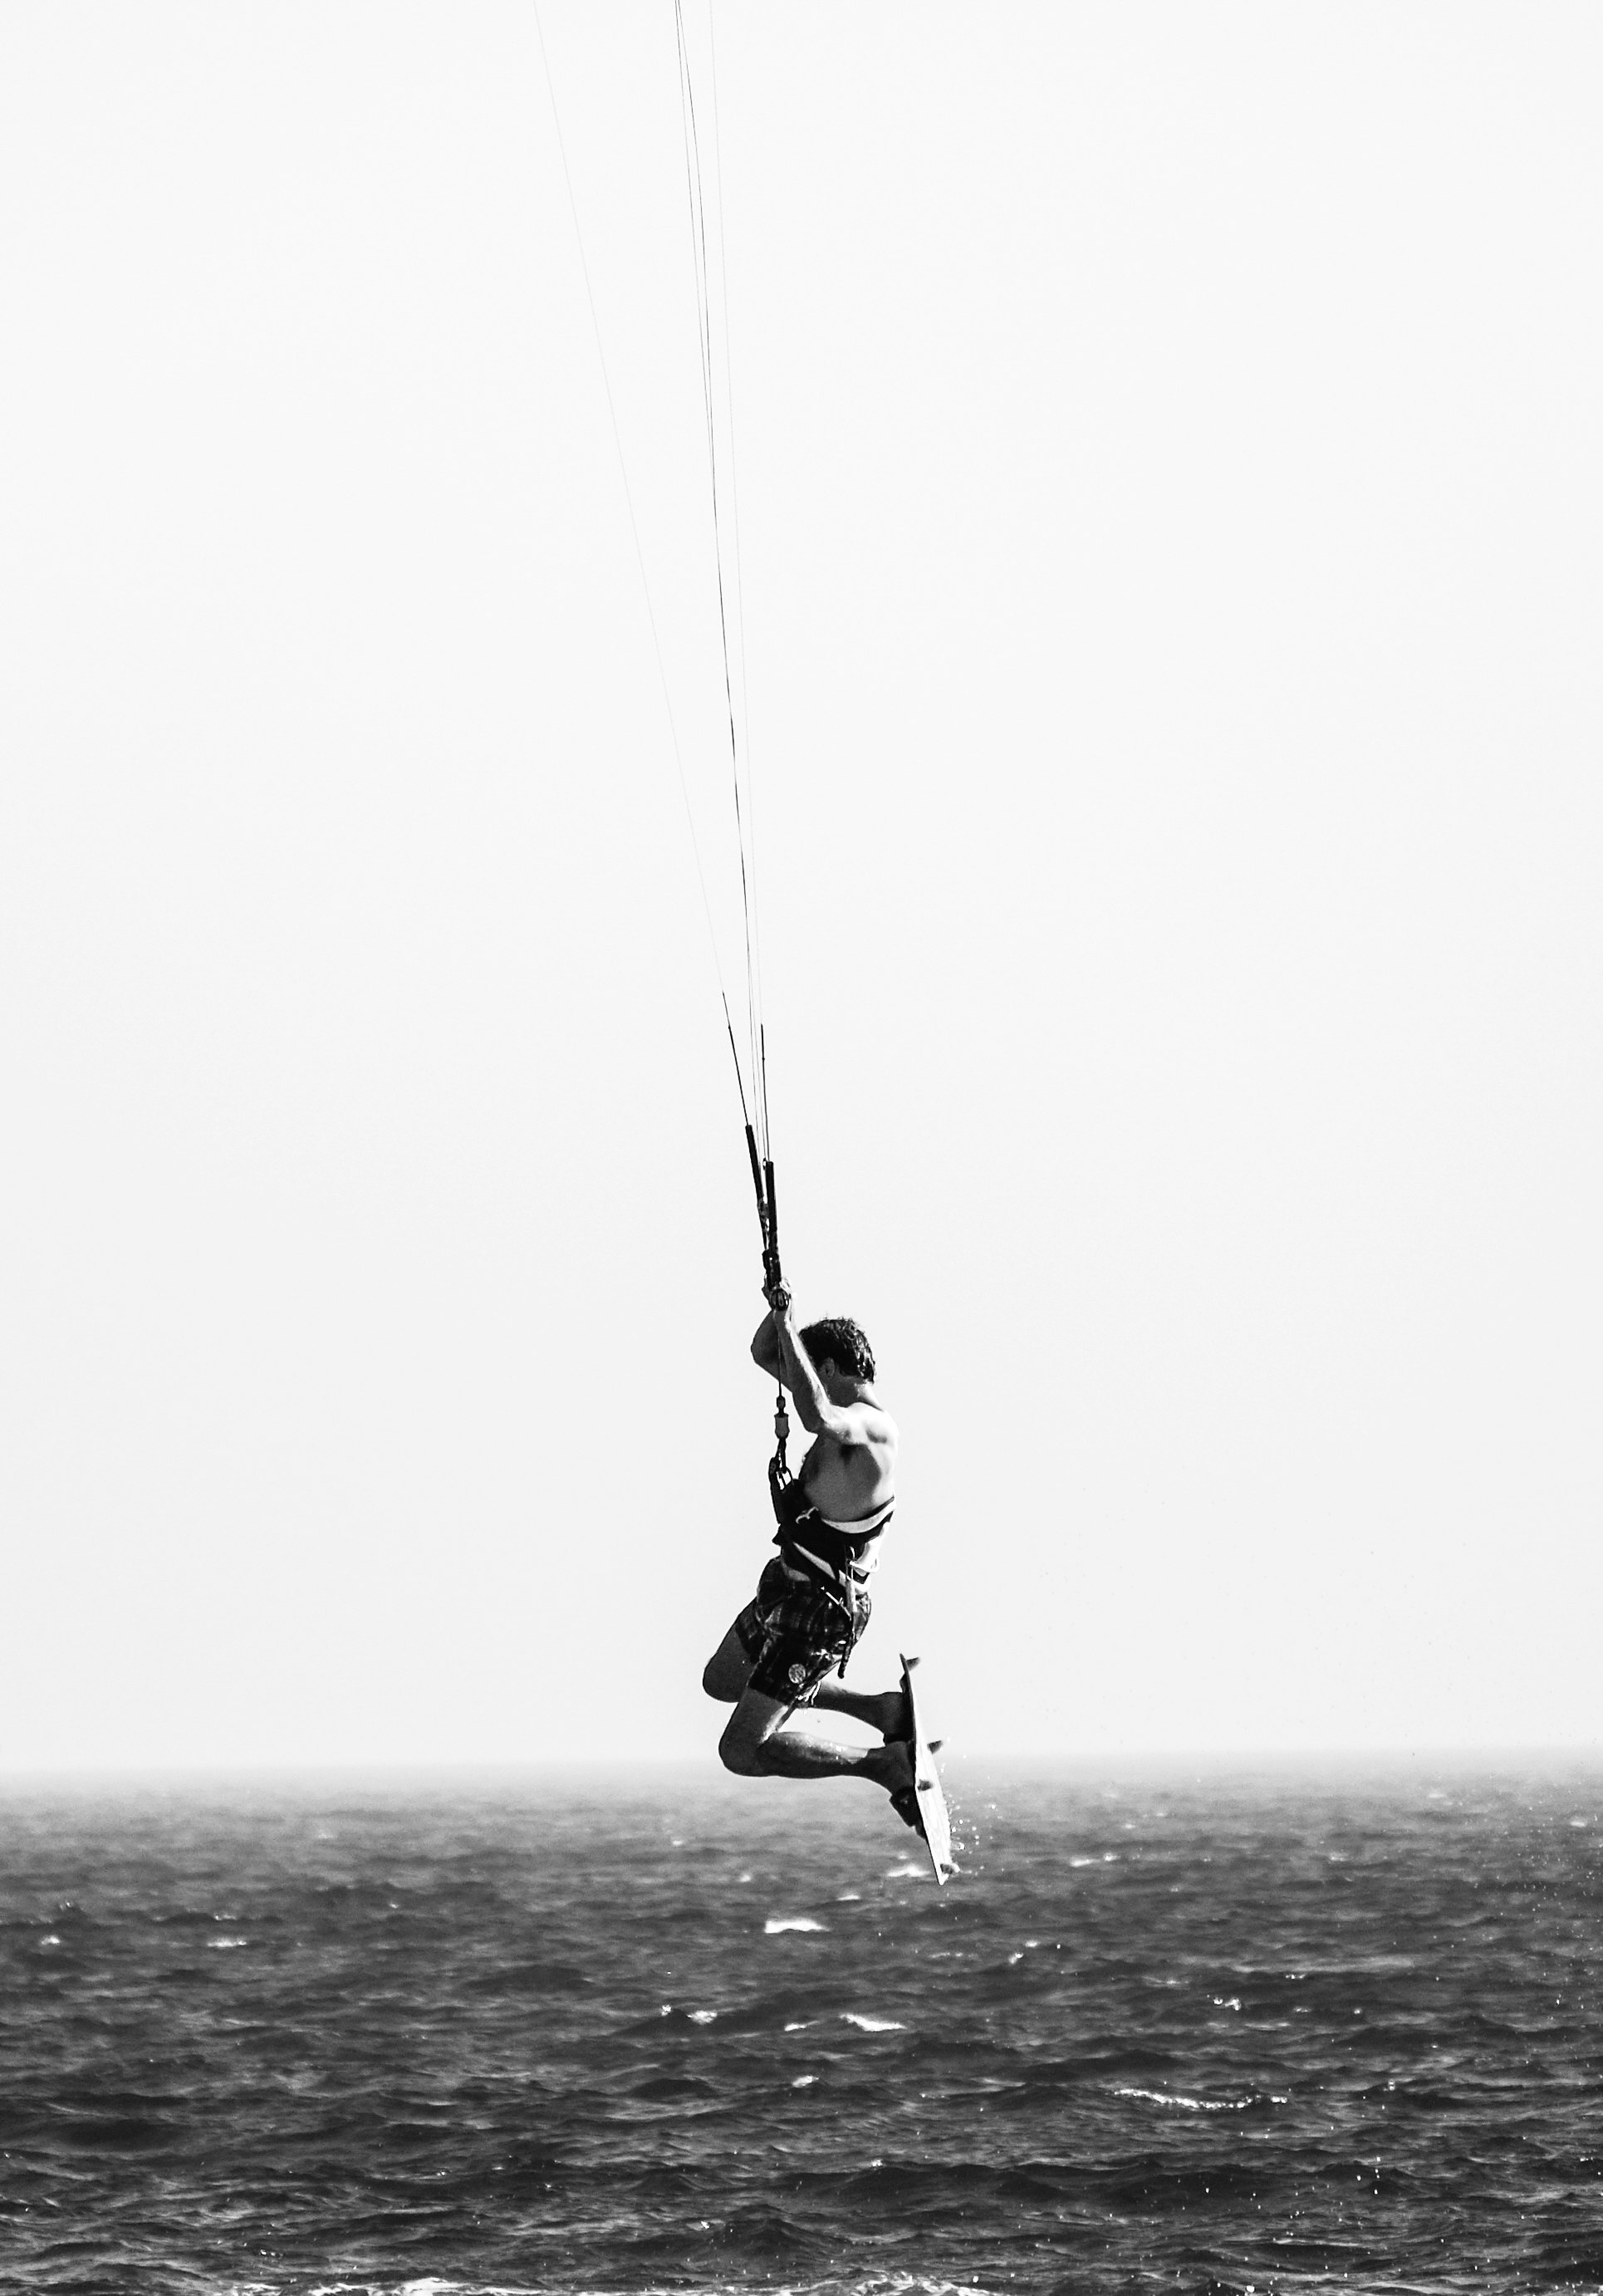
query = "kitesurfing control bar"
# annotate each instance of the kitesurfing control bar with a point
(762, 1180)
(773, 1291)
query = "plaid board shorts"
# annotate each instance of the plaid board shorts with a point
(797, 1634)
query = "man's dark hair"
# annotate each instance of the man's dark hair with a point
(838, 1337)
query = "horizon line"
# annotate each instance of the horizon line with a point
(1214, 1762)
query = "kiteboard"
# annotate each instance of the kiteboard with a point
(935, 1822)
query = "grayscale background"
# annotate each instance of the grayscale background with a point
(1170, 499)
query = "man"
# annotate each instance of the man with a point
(790, 1646)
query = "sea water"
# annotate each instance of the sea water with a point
(700, 2034)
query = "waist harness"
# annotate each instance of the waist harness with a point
(837, 1558)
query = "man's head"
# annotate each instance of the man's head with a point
(835, 1340)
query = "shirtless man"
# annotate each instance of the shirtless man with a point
(789, 1647)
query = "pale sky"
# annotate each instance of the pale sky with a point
(1171, 498)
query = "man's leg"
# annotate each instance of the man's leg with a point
(729, 1670)
(885, 1710)
(755, 1745)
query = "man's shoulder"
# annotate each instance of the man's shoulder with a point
(875, 1420)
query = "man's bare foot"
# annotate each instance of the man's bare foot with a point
(906, 1807)
(892, 1768)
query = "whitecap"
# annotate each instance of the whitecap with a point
(798, 2025)
(1221, 2003)
(702, 2016)
(225, 1945)
(776, 1927)
(803, 2080)
(904, 1872)
(1187, 2103)
(872, 2024)
(849, 1898)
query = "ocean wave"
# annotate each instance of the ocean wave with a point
(521, 2045)
(872, 2283)
(1173, 2097)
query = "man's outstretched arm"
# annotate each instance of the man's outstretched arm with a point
(814, 1407)
(765, 1348)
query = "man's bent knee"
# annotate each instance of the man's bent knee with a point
(728, 1671)
(739, 1753)
(754, 1719)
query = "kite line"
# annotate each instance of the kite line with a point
(751, 1072)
